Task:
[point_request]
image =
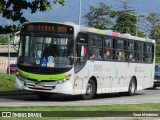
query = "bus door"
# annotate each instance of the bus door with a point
(81, 53)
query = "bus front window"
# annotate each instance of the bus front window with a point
(53, 52)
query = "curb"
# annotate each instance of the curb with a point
(7, 93)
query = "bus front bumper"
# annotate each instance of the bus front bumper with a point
(42, 86)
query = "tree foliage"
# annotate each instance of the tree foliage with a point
(158, 48)
(152, 25)
(13, 9)
(125, 23)
(3, 39)
(99, 17)
(126, 19)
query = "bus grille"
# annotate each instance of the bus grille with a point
(45, 87)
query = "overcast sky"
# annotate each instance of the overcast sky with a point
(70, 12)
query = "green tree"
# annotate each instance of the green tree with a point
(99, 17)
(152, 25)
(155, 32)
(125, 18)
(3, 39)
(125, 22)
(13, 9)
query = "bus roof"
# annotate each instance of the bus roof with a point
(103, 32)
(115, 34)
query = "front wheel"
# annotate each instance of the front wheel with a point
(132, 87)
(43, 95)
(90, 90)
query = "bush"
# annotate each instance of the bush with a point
(3, 39)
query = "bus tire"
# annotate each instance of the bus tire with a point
(132, 87)
(90, 90)
(43, 95)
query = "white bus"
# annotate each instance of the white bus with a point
(71, 59)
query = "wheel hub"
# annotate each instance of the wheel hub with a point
(89, 89)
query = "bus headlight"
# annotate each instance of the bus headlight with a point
(67, 77)
(19, 76)
(61, 81)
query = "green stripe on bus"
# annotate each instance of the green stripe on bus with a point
(41, 77)
(89, 72)
(101, 32)
(116, 72)
(154, 59)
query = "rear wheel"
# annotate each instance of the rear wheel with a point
(90, 90)
(43, 95)
(132, 87)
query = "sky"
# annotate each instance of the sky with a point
(70, 12)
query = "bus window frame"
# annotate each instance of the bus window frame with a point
(125, 49)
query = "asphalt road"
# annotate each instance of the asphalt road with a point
(144, 96)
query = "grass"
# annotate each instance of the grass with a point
(7, 82)
(72, 112)
(125, 107)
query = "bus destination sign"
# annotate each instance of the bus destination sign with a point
(54, 28)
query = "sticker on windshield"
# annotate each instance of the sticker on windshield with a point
(38, 62)
(50, 59)
(50, 64)
(44, 65)
(38, 54)
(44, 62)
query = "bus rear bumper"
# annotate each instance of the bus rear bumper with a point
(64, 88)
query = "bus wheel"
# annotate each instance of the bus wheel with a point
(132, 87)
(43, 95)
(90, 90)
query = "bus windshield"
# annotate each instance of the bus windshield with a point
(52, 52)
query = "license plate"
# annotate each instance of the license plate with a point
(39, 86)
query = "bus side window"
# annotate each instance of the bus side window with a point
(108, 48)
(120, 53)
(150, 53)
(96, 52)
